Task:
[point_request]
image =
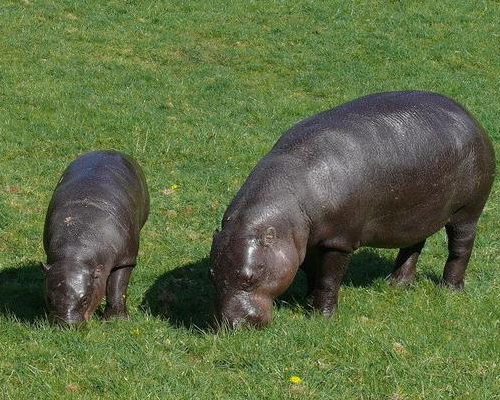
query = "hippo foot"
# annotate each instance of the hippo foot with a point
(396, 279)
(327, 309)
(111, 312)
(458, 286)
(310, 300)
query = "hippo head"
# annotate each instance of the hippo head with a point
(249, 272)
(73, 291)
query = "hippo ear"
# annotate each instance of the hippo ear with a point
(45, 267)
(269, 236)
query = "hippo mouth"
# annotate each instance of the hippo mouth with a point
(67, 322)
(245, 310)
(246, 322)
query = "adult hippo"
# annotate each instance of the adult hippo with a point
(91, 236)
(386, 170)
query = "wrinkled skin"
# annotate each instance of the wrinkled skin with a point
(91, 236)
(386, 170)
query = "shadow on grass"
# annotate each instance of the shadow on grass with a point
(185, 295)
(366, 267)
(21, 292)
(432, 276)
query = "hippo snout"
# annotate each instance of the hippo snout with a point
(245, 310)
(68, 321)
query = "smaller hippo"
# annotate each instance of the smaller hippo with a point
(386, 170)
(91, 236)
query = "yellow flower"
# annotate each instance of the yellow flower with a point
(171, 189)
(295, 379)
(135, 332)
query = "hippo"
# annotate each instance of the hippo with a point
(91, 236)
(387, 171)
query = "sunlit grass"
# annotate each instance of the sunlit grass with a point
(198, 92)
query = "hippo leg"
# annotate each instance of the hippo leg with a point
(311, 280)
(461, 235)
(116, 291)
(310, 267)
(329, 276)
(405, 268)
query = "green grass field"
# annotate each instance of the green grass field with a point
(198, 92)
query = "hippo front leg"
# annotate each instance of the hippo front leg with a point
(310, 268)
(116, 292)
(405, 268)
(329, 275)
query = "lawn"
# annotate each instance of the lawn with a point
(197, 92)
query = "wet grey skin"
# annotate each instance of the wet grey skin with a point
(91, 236)
(387, 170)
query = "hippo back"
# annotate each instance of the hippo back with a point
(387, 162)
(102, 193)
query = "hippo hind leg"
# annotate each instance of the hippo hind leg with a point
(405, 268)
(116, 292)
(461, 232)
(329, 274)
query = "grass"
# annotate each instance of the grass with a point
(198, 92)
